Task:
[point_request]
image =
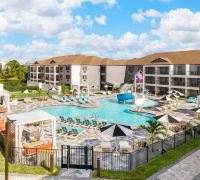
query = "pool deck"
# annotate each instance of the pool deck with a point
(91, 135)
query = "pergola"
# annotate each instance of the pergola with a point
(4, 100)
(18, 121)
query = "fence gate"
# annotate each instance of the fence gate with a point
(76, 157)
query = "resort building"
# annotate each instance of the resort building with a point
(78, 70)
(162, 71)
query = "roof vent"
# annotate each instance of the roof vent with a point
(52, 61)
(159, 60)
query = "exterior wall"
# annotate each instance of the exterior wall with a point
(90, 75)
(115, 74)
(75, 75)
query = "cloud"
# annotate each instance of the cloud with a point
(180, 27)
(141, 15)
(44, 18)
(101, 19)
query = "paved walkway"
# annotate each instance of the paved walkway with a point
(71, 174)
(187, 168)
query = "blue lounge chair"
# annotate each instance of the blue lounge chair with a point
(192, 99)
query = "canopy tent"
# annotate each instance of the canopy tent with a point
(17, 122)
(166, 118)
(4, 100)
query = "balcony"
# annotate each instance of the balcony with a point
(150, 70)
(179, 73)
(195, 73)
(163, 70)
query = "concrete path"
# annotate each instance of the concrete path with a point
(187, 168)
(71, 174)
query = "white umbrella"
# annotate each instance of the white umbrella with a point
(166, 118)
(116, 130)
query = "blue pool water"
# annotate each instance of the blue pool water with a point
(109, 109)
(69, 128)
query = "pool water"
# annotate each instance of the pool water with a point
(109, 109)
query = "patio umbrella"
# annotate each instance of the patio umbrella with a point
(116, 130)
(166, 118)
(53, 89)
(172, 91)
(179, 94)
(166, 98)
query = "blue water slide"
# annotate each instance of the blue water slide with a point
(122, 98)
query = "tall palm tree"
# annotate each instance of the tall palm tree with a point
(154, 128)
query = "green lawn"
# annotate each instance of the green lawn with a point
(32, 94)
(22, 169)
(146, 170)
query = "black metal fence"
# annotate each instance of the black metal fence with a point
(86, 157)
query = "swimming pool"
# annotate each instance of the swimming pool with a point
(109, 109)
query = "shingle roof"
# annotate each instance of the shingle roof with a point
(178, 57)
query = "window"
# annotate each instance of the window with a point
(61, 68)
(57, 69)
(52, 61)
(31, 69)
(84, 77)
(47, 70)
(67, 68)
(67, 76)
(51, 69)
(158, 60)
(61, 77)
(84, 68)
(47, 77)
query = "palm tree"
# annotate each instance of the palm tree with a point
(154, 128)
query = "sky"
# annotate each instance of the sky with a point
(119, 29)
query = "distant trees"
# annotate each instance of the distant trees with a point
(13, 69)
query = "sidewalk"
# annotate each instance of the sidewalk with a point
(187, 168)
(71, 174)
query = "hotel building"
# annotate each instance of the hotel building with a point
(162, 71)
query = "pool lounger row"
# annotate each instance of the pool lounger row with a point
(79, 99)
(85, 122)
(65, 131)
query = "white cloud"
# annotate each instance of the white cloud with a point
(141, 15)
(43, 18)
(180, 27)
(101, 19)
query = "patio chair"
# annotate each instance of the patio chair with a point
(124, 147)
(106, 146)
(81, 101)
(109, 93)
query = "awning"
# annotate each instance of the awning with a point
(30, 117)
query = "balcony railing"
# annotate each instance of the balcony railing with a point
(196, 73)
(179, 73)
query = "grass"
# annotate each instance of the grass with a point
(148, 169)
(22, 169)
(32, 94)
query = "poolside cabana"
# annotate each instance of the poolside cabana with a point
(36, 120)
(4, 100)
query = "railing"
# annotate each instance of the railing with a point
(114, 161)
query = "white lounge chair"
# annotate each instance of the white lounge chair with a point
(106, 146)
(104, 93)
(124, 147)
(109, 93)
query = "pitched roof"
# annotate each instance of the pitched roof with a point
(177, 57)
(80, 59)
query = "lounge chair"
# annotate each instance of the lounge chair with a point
(81, 101)
(104, 123)
(106, 146)
(192, 100)
(73, 99)
(124, 147)
(94, 123)
(109, 93)
(104, 93)
(78, 120)
(66, 99)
